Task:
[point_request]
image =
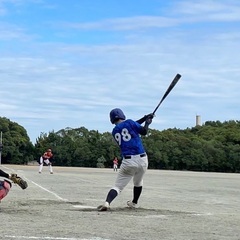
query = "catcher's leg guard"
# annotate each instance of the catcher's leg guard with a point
(4, 188)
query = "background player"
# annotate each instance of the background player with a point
(47, 159)
(115, 164)
(135, 161)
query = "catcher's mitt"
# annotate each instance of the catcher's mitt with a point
(18, 180)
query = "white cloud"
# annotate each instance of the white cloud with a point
(51, 84)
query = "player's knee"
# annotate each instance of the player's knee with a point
(137, 183)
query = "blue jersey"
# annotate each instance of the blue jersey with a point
(127, 135)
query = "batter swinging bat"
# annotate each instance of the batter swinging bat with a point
(171, 86)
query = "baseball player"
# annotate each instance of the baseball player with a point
(115, 164)
(5, 184)
(46, 158)
(135, 161)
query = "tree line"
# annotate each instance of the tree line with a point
(212, 147)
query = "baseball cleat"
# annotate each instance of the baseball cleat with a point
(103, 207)
(132, 205)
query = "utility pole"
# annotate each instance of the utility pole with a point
(1, 147)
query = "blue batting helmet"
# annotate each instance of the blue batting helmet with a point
(116, 114)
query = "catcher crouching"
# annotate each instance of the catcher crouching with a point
(5, 185)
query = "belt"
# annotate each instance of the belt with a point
(130, 156)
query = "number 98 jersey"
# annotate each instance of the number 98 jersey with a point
(127, 136)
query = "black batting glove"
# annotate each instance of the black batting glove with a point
(150, 115)
(143, 119)
(148, 120)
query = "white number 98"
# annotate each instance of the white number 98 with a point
(124, 135)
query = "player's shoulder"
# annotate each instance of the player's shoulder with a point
(124, 124)
(132, 122)
(129, 120)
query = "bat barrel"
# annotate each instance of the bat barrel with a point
(171, 86)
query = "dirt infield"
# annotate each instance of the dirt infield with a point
(174, 206)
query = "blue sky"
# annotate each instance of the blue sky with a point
(68, 63)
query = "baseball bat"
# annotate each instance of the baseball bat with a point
(171, 86)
